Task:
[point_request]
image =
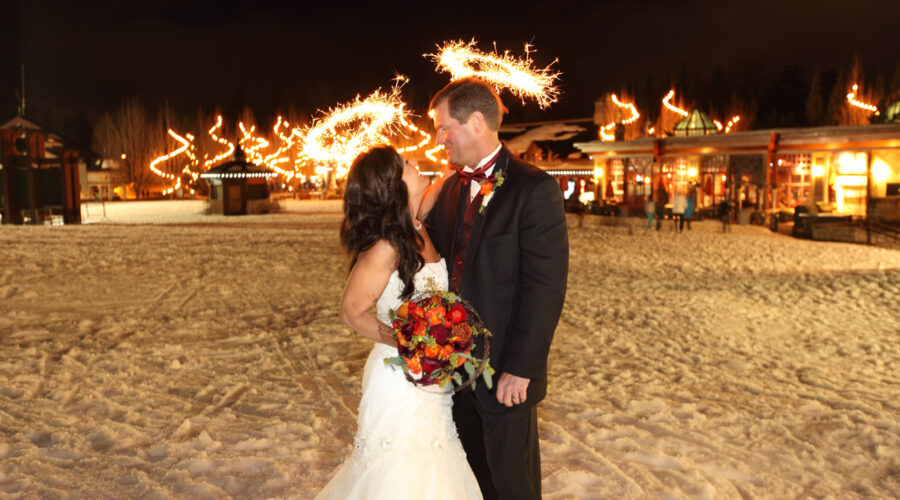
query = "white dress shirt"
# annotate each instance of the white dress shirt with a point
(474, 187)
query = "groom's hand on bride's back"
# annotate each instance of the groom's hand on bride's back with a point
(511, 389)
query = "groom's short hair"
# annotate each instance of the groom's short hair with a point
(467, 95)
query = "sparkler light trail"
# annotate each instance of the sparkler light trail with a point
(503, 71)
(335, 139)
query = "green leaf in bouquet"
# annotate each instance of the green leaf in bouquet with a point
(488, 379)
(457, 378)
(470, 368)
(395, 361)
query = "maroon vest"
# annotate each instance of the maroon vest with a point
(465, 223)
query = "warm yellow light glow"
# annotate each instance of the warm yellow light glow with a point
(850, 180)
(731, 123)
(724, 178)
(336, 138)
(605, 134)
(880, 171)
(652, 130)
(503, 71)
(667, 102)
(123, 156)
(851, 98)
(692, 172)
(629, 106)
(598, 173)
(818, 170)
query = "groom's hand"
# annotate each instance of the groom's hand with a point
(512, 390)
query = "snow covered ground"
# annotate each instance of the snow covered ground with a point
(161, 353)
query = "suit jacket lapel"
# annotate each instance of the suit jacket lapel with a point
(478, 228)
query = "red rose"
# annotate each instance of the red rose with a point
(457, 313)
(430, 365)
(440, 333)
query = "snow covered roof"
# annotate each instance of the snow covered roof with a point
(556, 136)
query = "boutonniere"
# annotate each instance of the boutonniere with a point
(488, 187)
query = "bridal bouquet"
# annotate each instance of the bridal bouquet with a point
(435, 334)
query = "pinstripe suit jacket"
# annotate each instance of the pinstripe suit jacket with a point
(516, 268)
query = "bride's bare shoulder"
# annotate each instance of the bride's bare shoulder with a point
(381, 255)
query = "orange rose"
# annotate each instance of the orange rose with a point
(414, 364)
(432, 351)
(486, 188)
(447, 351)
(436, 315)
(403, 310)
(460, 361)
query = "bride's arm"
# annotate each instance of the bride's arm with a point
(368, 279)
(431, 194)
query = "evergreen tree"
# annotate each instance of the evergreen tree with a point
(815, 106)
(838, 98)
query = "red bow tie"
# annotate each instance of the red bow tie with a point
(478, 175)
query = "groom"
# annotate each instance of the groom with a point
(500, 222)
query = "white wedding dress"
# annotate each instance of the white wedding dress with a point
(406, 443)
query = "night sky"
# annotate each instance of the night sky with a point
(86, 57)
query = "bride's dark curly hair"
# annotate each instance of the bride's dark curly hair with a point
(376, 207)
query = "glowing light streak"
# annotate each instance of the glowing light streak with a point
(667, 102)
(430, 154)
(629, 106)
(851, 98)
(229, 145)
(731, 123)
(503, 71)
(335, 139)
(605, 134)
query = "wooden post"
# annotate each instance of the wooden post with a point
(868, 197)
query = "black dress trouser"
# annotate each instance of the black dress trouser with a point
(502, 448)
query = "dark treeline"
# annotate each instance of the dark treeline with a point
(790, 96)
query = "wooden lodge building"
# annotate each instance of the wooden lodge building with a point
(39, 175)
(849, 171)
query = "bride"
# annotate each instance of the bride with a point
(406, 444)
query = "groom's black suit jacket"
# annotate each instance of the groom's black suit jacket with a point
(516, 266)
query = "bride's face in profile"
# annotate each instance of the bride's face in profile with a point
(415, 182)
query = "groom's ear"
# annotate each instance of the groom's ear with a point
(477, 121)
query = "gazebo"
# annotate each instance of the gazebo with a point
(695, 123)
(238, 187)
